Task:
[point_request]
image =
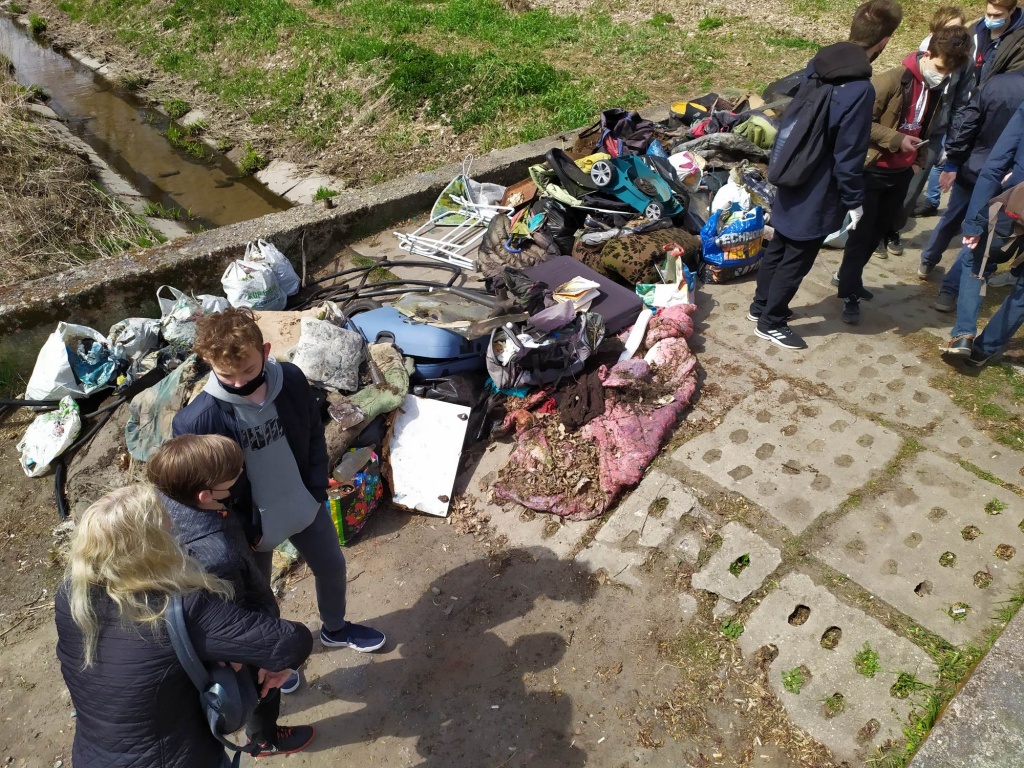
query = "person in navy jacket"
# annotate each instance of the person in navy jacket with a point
(1003, 169)
(804, 216)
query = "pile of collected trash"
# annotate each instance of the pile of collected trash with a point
(575, 346)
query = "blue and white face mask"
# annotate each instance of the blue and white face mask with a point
(995, 23)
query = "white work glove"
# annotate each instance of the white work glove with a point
(855, 216)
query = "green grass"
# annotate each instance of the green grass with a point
(157, 210)
(37, 24)
(176, 108)
(740, 564)
(251, 160)
(12, 383)
(183, 138)
(994, 507)
(709, 23)
(377, 274)
(865, 661)
(906, 685)
(17, 8)
(132, 81)
(993, 398)
(322, 193)
(731, 628)
(6, 65)
(794, 43)
(834, 704)
(793, 680)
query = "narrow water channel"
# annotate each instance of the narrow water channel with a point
(128, 135)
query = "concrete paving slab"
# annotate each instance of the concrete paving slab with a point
(304, 192)
(85, 59)
(795, 456)
(814, 630)
(169, 229)
(649, 515)
(983, 727)
(620, 565)
(956, 434)
(740, 566)
(194, 116)
(940, 540)
(280, 176)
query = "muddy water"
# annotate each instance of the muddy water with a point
(129, 137)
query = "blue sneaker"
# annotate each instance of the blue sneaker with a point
(363, 639)
(291, 685)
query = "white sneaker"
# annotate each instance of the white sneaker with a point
(1001, 279)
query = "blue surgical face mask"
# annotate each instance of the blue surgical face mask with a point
(995, 23)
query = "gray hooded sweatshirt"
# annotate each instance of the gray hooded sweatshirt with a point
(278, 493)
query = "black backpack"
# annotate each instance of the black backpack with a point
(228, 698)
(802, 141)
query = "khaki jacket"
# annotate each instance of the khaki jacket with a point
(892, 88)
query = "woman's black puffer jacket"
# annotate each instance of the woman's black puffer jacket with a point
(136, 706)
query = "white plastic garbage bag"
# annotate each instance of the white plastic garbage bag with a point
(212, 304)
(48, 436)
(329, 355)
(249, 284)
(262, 252)
(178, 315)
(136, 336)
(53, 377)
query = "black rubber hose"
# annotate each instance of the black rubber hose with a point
(61, 470)
(16, 403)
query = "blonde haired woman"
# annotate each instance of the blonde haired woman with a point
(136, 705)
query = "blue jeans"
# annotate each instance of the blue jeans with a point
(1006, 321)
(949, 225)
(932, 193)
(968, 303)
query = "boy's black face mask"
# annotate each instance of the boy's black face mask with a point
(248, 388)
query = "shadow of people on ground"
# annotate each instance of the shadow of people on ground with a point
(475, 682)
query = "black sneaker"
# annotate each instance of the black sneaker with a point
(944, 302)
(754, 318)
(784, 337)
(924, 209)
(286, 741)
(893, 244)
(363, 639)
(851, 310)
(865, 294)
(961, 346)
(925, 270)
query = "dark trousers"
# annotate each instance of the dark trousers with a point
(784, 265)
(263, 723)
(950, 223)
(884, 193)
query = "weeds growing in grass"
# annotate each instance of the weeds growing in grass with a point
(740, 564)
(251, 160)
(865, 661)
(6, 65)
(793, 680)
(11, 383)
(157, 210)
(17, 8)
(181, 137)
(994, 507)
(176, 108)
(834, 705)
(37, 24)
(906, 684)
(709, 23)
(731, 628)
(132, 81)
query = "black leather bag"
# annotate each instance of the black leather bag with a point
(228, 698)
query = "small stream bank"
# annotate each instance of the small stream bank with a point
(128, 136)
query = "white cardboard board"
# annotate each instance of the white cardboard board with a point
(426, 445)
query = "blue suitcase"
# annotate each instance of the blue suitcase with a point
(436, 351)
